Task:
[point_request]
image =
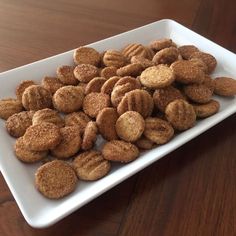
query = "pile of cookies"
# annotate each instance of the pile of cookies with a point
(135, 98)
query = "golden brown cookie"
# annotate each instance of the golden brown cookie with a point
(114, 58)
(66, 75)
(199, 63)
(90, 135)
(134, 49)
(159, 44)
(130, 126)
(166, 56)
(106, 121)
(135, 83)
(209, 82)
(144, 62)
(133, 69)
(120, 151)
(86, 55)
(17, 124)
(55, 179)
(137, 100)
(159, 76)
(91, 165)
(95, 85)
(9, 106)
(42, 137)
(36, 97)
(206, 110)
(68, 99)
(198, 93)
(157, 130)
(22, 86)
(186, 51)
(180, 114)
(225, 86)
(162, 97)
(149, 53)
(187, 72)
(144, 143)
(70, 143)
(26, 155)
(48, 115)
(52, 84)
(207, 58)
(85, 72)
(109, 84)
(108, 72)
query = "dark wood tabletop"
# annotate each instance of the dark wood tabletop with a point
(192, 191)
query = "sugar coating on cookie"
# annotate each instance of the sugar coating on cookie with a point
(207, 109)
(95, 85)
(225, 86)
(55, 179)
(66, 75)
(85, 72)
(108, 86)
(9, 106)
(22, 86)
(89, 136)
(91, 165)
(114, 58)
(166, 56)
(52, 84)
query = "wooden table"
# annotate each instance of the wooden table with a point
(192, 191)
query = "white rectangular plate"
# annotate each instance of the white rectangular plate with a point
(41, 212)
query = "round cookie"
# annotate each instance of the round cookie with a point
(130, 126)
(85, 72)
(166, 56)
(95, 85)
(206, 110)
(22, 86)
(9, 106)
(41, 137)
(134, 49)
(180, 114)
(108, 86)
(149, 53)
(106, 121)
(26, 155)
(186, 51)
(66, 75)
(91, 165)
(225, 86)
(52, 84)
(114, 58)
(209, 82)
(68, 99)
(95, 102)
(89, 136)
(160, 44)
(120, 151)
(144, 62)
(55, 179)
(157, 130)
(133, 69)
(144, 143)
(159, 76)
(108, 72)
(199, 63)
(70, 143)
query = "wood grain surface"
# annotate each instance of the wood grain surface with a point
(192, 191)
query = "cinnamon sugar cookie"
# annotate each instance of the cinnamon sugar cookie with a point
(133, 69)
(91, 165)
(159, 44)
(120, 151)
(22, 86)
(225, 86)
(9, 106)
(55, 179)
(134, 49)
(95, 85)
(108, 72)
(52, 84)
(108, 86)
(186, 51)
(90, 135)
(70, 142)
(130, 126)
(144, 62)
(144, 143)
(166, 56)
(106, 121)
(114, 58)
(199, 63)
(66, 75)
(149, 53)
(209, 82)
(85, 72)
(206, 110)
(68, 99)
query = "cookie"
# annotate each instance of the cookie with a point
(55, 179)
(137, 100)
(106, 121)
(155, 77)
(130, 126)
(17, 124)
(52, 84)
(199, 63)
(9, 106)
(162, 97)
(22, 86)
(187, 72)
(144, 143)
(66, 75)
(68, 99)
(186, 51)
(198, 93)
(108, 86)
(149, 53)
(95, 102)
(157, 130)
(42, 137)
(48, 115)
(108, 72)
(180, 114)
(70, 143)
(133, 69)
(144, 62)
(135, 83)
(166, 56)
(225, 86)
(160, 44)
(207, 58)
(36, 97)
(114, 58)
(89, 136)
(86, 55)
(85, 72)
(209, 82)
(206, 110)
(120, 151)
(26, 155)
(95, 85)
(91, 165)
(134, 49)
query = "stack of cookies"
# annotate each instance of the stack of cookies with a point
(135, 98)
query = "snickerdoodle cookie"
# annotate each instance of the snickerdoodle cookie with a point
(85, 72)
(52, 84)
(66, 75)
(9, 106)
(89, 136)
(22, 86)
(225, 86)
(95, 85)
(208, 109)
